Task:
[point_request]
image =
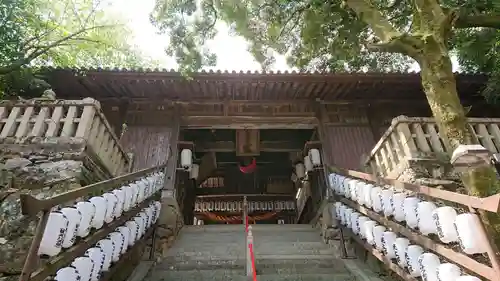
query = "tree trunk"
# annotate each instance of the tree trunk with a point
(440, 89)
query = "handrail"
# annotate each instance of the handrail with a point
(490, 204)
(31, 206)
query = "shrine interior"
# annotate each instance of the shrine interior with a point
(237, 162)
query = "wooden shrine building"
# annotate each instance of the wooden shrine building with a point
(230, 118)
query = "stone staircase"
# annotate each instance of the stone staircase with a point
(283, 252)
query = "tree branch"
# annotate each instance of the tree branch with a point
(469, 21)
(366, 11)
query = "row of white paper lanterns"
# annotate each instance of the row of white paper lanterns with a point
(107, 251)
(419, 264)
(424, 215)
(77, 221)
(311, 160)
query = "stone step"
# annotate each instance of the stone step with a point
(306, 277)
(197, 275)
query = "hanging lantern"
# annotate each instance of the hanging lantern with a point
(341, 213)
(97, 257)
(361, 224)
(118, 241)
(378, 232)
(448, 272)
(469, 229)
(315, 157)
(361, 193)
(142, 191)
(128, 197)
(355, 222)
(444, 218)
(186, 159)
(308, 164)
(410, 209)
(195, 170)
(67, 274)
(428, 264)
(412, 253)
(387, 195)
(354, 188)
(347, 214)
(53, 236)
(376, 199)
(388, 240)
(132, 226)
(338, 205)
(135, 194)
(85, 267)
(107, 248)
(125, 231)
(426, 223)
(400, 246)
(397, 206)
(111, 202)
(367, 191)
(120, 196)
(300, 171)
(369, 225)
(74, 218)
(100, 211)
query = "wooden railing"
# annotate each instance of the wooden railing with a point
(363, 203)
(39, 268)
(413, 137)
(47, 121)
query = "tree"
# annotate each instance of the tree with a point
(66, 33)
(349, 35)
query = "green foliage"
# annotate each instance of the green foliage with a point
(64, 33)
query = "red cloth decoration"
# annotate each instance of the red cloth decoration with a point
(250, 168)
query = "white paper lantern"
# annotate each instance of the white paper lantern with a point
(135, 194)
(400, 246)
(388, 240)
(361, 224)
(149, 182)
(361, 193)
(448, 272)
(107, 246)
(367, 194)
(128, 197)
(397, 206)
(87, 212)
(157, 211)
(125, 231)
(444, 219)
(195, 170)
(161, 181)
(100, 211)
(140, 226)
(469, 233)
(355, 222)
(308, 164)
(111, 202)
(347, 214)
(74, 218)
(410, 209)
(315, 157)
(342, 182)
(142, 191)
(67, 274)
(412, 253)
(133, 227)
(353, 188)
(300, 171)
(332, 181)
(428, 264)
(341, 214)
(97, 256)
(369, 225)
(150, 213)
(387, 195)
(376, 199)
(120, 196)
(145, 220)
(338, 206)
(186, 158)
(118, 241)
(468, 278)
(378, 231)
(426, 223)
(85, 267)
(53, 235)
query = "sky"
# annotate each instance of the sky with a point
(231, 51)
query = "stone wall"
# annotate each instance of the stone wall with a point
(42, 169)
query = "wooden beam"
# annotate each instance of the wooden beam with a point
(249, 122)
(265, 146)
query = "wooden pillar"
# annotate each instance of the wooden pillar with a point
(171, 170)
